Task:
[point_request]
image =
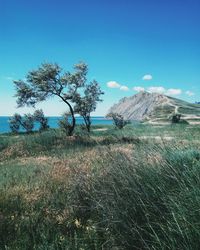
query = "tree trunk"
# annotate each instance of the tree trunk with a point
(71, 129)
(87, 123)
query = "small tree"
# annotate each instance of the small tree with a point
(43, 121)
(28, 122)
(88, 103)
(47, 81)
(64, 123)
(175, 118)
(118, 120)
(15, 122)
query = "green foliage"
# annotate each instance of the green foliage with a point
(87, 103)
(175, 118)
(64, 123)
(43, 121)
(15, 123)
(48, 81)
(118, 120)
(28, 122)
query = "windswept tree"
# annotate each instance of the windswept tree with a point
(88, 102)
(41, 119)
(48, 81)
(17, 121)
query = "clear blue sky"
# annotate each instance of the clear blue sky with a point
(121, 40)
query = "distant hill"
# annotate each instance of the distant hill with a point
(154, 108)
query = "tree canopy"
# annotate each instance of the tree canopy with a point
(87, 104)
(50, 80)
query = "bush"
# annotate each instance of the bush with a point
(175, 118)
(43, 121)
(28, 123)
(15, 123)
(64, 123)
(118, 120)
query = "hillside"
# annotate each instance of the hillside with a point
(154, 107)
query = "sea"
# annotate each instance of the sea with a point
(53, 122)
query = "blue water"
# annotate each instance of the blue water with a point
(53, 122)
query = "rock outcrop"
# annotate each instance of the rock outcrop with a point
(152, 106)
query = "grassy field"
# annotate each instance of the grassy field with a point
(136, 188)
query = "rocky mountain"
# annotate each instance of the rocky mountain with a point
(154, 107)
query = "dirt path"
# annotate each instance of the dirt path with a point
(100, 129)
(173, 105)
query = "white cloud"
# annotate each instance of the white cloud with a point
(138, 89)
(147, 77)
(116, 85)
(152, 89)
(173, 92)
(189, 93)
(160, 90)
(124, 88)
(113, 84)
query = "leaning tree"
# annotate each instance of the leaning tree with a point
(48, 81)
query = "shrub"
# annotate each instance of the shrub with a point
(15, 123)
(64, 123)
(43, 121)
(175, 118)
(118, 120)
(28, 122)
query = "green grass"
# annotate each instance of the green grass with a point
(114, 189)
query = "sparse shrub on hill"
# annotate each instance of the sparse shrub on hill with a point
(175, 118)
(39, 117)
(118, 120)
